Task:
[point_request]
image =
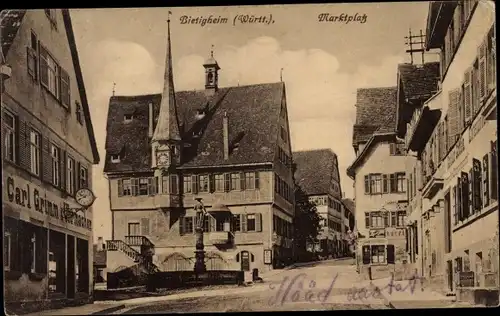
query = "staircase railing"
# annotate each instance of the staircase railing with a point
(138, 241)
(123, 247)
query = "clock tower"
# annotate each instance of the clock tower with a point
(166, 141)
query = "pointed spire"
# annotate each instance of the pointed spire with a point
(167, 127)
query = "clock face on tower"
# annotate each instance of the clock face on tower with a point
(163, 158)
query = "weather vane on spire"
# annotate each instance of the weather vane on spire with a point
(212, 51)
(114, 86)
(169, 14)
(281, 74)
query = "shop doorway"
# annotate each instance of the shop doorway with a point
(449, 270)
(82, 265)
(245, 261)
(57, 263)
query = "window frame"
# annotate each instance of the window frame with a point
(138, 223)
(35, 152)
(83, 177)
(115, 158)
(126, 186)
(376, 178)
(56, 163)
(144, 182)
(205, 186)
(10, 133)
(234, 181)
(219, 182)
(70, 176)
(253, 218)
(187, 184)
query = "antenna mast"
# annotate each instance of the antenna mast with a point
(420, 44)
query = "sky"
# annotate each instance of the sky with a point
(324, 63)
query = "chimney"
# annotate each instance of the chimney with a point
(100, 244)
(151, 120)
(225, 132)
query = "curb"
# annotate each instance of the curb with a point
(109, 310)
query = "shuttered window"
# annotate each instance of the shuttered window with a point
(482, 70)
(494, 171)
(491, 68)
(367, 220)
(145, 226)
(455, 204)
(476, 185)
(485, 185)
(467, 96)
(453, 116)
(367, 184)
(187, 188)
(475, 88)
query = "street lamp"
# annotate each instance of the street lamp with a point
(199, 265)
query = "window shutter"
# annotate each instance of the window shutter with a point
(78, 176)
(476, 185)
(390, 254)
(75, 177)
(455, 204)
(445, 136)
(367, 220)
(456, 26)
(194, 184)
(494, 171)
(367, 184)
(227, 182)
(62, 169)
(415, 242)
(385, 184)
(150, 186)
(465, 195)
(470, 198)
(46, 160)
(120, 187)
(486, 176)
(144, 226)
(211, 178)
(24, 145)
(243, 221)
(257, 180)
(386, 219)
(459, 199)
(242, 181)
(156, 185)
(453, 116)
(491, 69)
(366, 255)
(258, 222)
(182, 222)
(468, 96)
(393, 185)
(482, 70)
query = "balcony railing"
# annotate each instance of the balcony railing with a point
(220, 238)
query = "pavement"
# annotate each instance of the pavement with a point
(324, 285)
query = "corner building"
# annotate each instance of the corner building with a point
(459, 161)
(379, 178)
(48, 150)
(229, 146)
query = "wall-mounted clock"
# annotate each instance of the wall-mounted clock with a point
(163, 158)
(85, 197)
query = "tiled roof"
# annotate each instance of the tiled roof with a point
(419, 81)
(375, 111)
(99, 256)
(253, 115)
(10, 20)
(314, 170)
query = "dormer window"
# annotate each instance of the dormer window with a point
(127, 118)
(115, 158)
(200, 114)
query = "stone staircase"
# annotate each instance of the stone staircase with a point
(142, 258)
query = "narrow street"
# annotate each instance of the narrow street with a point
(323, 285)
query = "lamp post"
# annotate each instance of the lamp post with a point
(199, 265)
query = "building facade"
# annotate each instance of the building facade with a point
(48, 149)
(229, 146)
(317, 174)
(455, 136)
(378, 172)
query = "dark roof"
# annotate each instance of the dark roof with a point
(10, 20)
(314, 170)
(419, 81)
(253, 116)
(375, 111)
(99, 256)
(349, 204)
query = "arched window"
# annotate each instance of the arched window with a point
(210, 77)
